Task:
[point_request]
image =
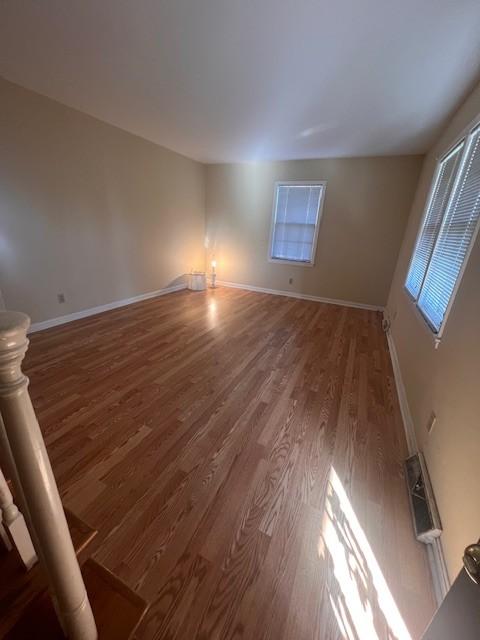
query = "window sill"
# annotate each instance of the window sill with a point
(295, 263)
(435, 337)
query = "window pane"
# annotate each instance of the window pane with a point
(454, 239)
(296, 217)
(433, 221)
(296, 232)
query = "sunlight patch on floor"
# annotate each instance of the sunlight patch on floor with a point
(361, 600)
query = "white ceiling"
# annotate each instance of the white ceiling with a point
(246, 80)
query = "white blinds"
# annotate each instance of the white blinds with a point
(433, 220)
(295, 221)
(454, 239)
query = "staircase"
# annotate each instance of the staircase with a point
(26, 605)
(66, 594)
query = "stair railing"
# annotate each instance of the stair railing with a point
(37, 484)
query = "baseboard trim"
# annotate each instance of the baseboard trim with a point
(436, 559)
(301, 296)
(438, 569)
(402, 397)
(85, 313)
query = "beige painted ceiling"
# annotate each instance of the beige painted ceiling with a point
(247, 80)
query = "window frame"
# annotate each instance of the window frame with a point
(273, 218)
(439, 160)
(464, 136)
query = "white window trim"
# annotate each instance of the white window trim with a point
(299, 183)
(448, 149)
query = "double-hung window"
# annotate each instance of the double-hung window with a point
(448, 231)
(297, 209)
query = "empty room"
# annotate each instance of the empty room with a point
(239, 320)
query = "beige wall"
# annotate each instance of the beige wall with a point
(100, 215)
(89, 210)
(366, 209)
(445, 380)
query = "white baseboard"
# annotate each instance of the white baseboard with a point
(436, 559)
(301, 296)
(402, 397)
(438, 569)
(84, 313)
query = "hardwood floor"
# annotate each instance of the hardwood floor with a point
(241, 456)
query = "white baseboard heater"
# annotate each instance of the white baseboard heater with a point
(426, 519)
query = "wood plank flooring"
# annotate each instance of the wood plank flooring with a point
(241, 456)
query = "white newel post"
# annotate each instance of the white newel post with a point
(38, 483)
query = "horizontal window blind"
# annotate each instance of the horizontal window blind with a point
(433, 220)
(295, 221)
(454, 238)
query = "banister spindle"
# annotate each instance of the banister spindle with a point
(14, 523)
(38, 483)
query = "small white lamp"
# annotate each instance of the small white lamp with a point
(214, 275)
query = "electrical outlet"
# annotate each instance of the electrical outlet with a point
(290, 281)
(61, 298)
(431, 422)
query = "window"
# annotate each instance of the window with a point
(433, 221)
(448, 232)
(296, 216)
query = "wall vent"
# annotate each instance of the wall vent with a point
(426, 519)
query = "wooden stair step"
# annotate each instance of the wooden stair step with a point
(82, 534)
(19, 587)
(117, 609)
